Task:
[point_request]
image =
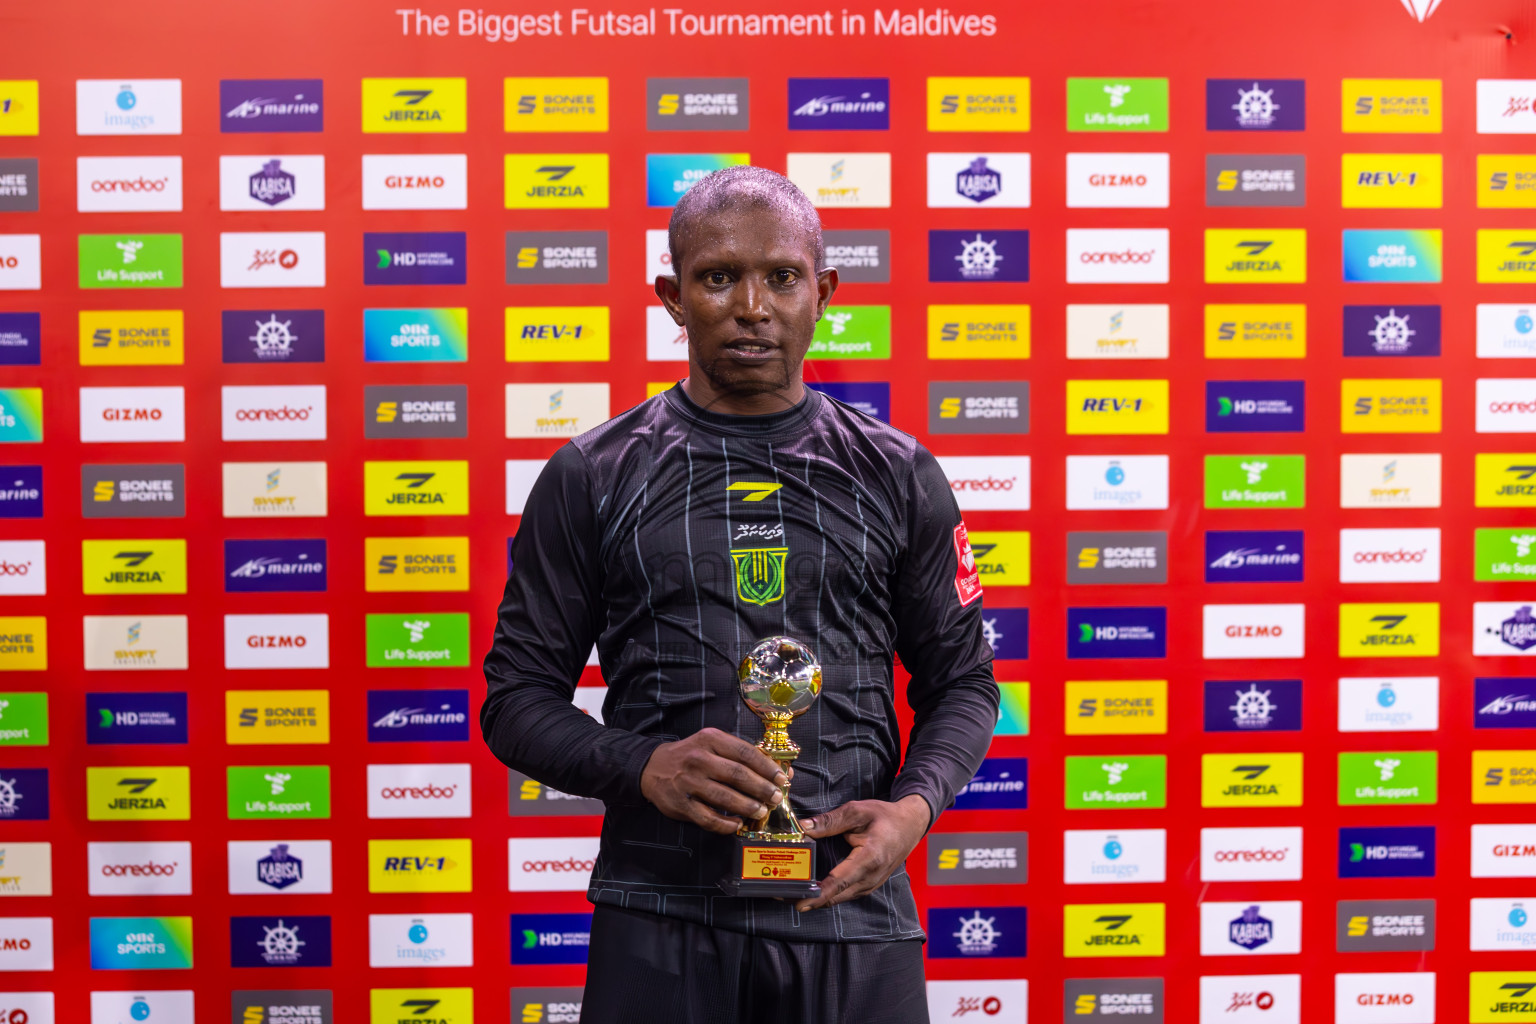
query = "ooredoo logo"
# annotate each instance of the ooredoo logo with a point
(132, 414)
(23, 569)
(1115, 256)
(550, 865)
(283, 413)
(139, 869)
(1506, 406)
(124, 184)
(1250, 854)
(1389, 556)
(985, 482)
(418, 791)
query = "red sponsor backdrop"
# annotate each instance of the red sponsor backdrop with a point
(342, 42)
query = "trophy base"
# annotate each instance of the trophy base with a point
(784, 870)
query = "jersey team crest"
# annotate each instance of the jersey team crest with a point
(759, 574)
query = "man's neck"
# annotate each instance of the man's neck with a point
(742, 403)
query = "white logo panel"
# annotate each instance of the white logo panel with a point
(21, 263)
(842, 179)
(550, 865)
(988, 180)
(1506, 331)
(26, 869)
(23, 567)
(1389, 481)
(279, 866)
(555, 410)
(1397, 998)
(1250, 928)
(415, 181)
(128, 184)
(114, 106)
(139, 1005)
(1117, 256)
(421, 940)
(1506, 405)
(1117, 332)
(1117, 180)
(1255, 631)
(999, 1000)
(1503, 923)
(1505, 106)
(139, 869)
(1250, 855)
(418, 791)
(1504, 851)
(985, 482)
(272, 259)
(1251, 999)
(1117, 482)
(26, 943)
(272, 183)
(1389, 556)
(274, 412)
(1404, 704)
(522, 474)
(277, 641)
(665, 341)
(133, 414)
(1097, 857)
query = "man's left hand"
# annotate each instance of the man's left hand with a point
(881, 833)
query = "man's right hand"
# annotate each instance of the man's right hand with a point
(712, 779)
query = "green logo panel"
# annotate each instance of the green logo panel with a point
(425, 640)
(130, 261)
(1117, 781)
(1255, 481)
(280, 791)
(23, 719)
(1117, 104)
(1505, 555)
(1389, 777)
(853, 332)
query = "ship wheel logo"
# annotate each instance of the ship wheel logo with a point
(280, 944)
(979, 257)
(1253, 708)
(1256, 107)
(1392, 332)
(977, 935)
(273, 337)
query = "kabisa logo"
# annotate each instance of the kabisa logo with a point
(21, 492)
(272, 105)
(287, 941)
(418, 716)
(1251, 929)
(697, 104)
(978, 255)
(1113, 929)
(1505, 703)
(279, 869)
(433, 105)
(394, 412)
(274, 566)
(141, 943)
(1255, 407)
(1252, 556)
(968, 179)
(1387, 852)
(1503, 628)
(550, 938)
(839, 104)
(1249, 104)
(1398, 256)
(413, 257)
(1392, 330)
(1117, 632)
(1000, 782)
(135, 718)
(24, 794)
(970, 932)
(555, 181)
(273, 335)
(1273, 705)
(557, 257)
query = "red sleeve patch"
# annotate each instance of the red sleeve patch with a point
(967, 578)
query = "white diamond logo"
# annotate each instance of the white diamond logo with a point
(1421, 9)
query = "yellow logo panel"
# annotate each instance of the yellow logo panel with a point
(1385, 406)
(1389, 630)
(1506, 257)
(138, 794)
(1112, 929)
(23, 643)
(415, 105)
(419, 865)
(978, 332)
(1002, 557)
(1129, 708)
(451, 1005)
(133, 566)
(1504, 776)
(416, 563)
(1117, 407)
(1505, 480)
(1497, 997)
(557, 334)
(1506, 181)
(1392, 181)
(1256, 255)
(18, 107)
(1392, 105)
(1257, 779)
(656, 387)
(277, 716)
(132, 337)
(1255, 331)
(556, 181)
(416, 488)
(556, 104)
(978, 104)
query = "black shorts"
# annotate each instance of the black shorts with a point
(643, 968)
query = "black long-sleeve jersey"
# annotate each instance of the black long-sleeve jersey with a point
(675, 538)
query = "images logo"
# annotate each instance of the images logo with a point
(130, 261)
(418, 716)
(112, 718)
(1117, 104)
(669, 175)
(272, 335)
(839, 104)
(555, 104)
(1253, 407)
(1111, 482)
(1117, 407)
(1237, 179)
(978, 332)
(138, 794)
(413, 257)
(425, 940)
(1116, 781)
(1389, 630)
(1397, 256)
(272, 105)
(108, 106)
(1250, 780)
(978, 255)
(1252, 556)
(1116, 633)
(1112, 929)
(1274, 255)
(274, 566)
(557, 257)
(1000, 783)
(415, 105)
(556, 181)
(141, 943)
(1392, 330)
(1392, 105)
(1387, 852)
(698, 104)
(1135, 855)
(970, 932)
(1248, 105)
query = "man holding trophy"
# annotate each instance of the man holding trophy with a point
(749, 558)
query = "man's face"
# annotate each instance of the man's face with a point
(749, 296)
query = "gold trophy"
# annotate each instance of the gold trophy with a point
(779, 679)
